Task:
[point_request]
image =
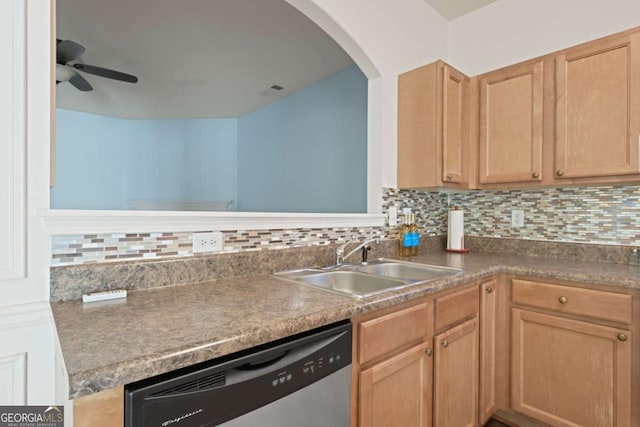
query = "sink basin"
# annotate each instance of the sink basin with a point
(352, 283)
(405, 271)
(365, 280)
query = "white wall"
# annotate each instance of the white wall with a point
(384, 38)
(510, 31)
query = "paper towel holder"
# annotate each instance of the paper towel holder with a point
(463, 249)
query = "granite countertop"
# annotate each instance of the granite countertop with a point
(154, 331)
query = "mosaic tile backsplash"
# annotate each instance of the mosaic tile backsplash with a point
(601, 215)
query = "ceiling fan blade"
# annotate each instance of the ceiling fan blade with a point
(105, 72)
(80, 83)
(68, 50)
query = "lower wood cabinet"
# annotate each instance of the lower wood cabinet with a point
(570, 373)
(455, 393)
(396, 391)
(560, 353)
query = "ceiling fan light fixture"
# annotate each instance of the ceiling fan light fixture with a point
(64, 73)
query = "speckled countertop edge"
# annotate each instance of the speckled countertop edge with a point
(263, 319)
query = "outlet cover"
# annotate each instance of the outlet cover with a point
(517, 218)
(207, 242)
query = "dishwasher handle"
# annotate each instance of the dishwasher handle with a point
(260, 363)
(239, 375)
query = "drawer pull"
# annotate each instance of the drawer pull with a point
(560, 172)
(445, 343)
(563, 300)
(489, 290)
(428, 352)
(622, 337)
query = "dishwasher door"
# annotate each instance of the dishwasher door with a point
(322, 404)
(302, 381)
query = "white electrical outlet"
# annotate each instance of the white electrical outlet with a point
(207, 242)
(517, 218)
(393, 216)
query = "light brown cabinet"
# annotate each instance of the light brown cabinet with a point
(568, 372)
(455, 373)
(432, 127)
(570, 364)
(392, 370)
(455, 391)
(511, 124)
(488, 372)
(598, 108)
(395, 392)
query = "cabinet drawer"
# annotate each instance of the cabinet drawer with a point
(392, 331)
(566, 299)
(455, 307)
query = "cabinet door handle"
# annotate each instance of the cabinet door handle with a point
(445, 343)
(489, 290)
(622, 337)
(449, 176)
(559, 172)
(563, 300)
(535, 175)
(428, 352)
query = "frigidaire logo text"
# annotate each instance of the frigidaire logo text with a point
(182, 417)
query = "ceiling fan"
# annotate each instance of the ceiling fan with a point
(68, 51)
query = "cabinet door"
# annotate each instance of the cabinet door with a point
(569, 373)
(455, 90)
(598, 108)
(487, 397)
(511, 124)
(417, 130)
(455, 374)
(396, 392)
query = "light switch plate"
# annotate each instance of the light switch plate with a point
(207, 242)
(517, 218)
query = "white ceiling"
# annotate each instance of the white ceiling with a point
(452, 9)
(193, 58)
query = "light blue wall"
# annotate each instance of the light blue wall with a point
(303, 153)
(307, 152)
(102, 162)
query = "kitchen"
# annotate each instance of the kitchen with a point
(388, 41)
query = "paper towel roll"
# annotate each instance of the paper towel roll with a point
(455, 234)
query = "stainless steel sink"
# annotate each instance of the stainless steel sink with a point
(352, 283)
(366, 280)
(344, 282)
(407, 271)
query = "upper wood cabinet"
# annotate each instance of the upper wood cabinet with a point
(511, 124)
(598, 108)
(432, 127)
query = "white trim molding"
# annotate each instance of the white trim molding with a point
(13, 379)
(13, 134)
(71, 222)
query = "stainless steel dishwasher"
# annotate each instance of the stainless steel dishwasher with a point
(303, 381)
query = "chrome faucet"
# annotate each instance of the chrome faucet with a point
(364, 246)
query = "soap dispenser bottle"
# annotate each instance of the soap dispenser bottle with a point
(415, 236)
(404, 237)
